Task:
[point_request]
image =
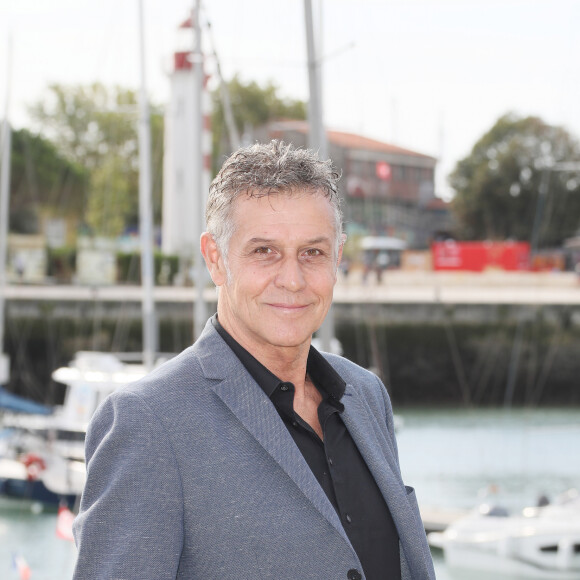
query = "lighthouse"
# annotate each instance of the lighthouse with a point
(187, 153)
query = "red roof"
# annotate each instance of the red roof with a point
(346, 140)
(438, 203)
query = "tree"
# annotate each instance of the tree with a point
(110, 204)
(497, 184)
(252, 106)
(96, 128)
(42, 179)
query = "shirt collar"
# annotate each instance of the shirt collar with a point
(318, 368)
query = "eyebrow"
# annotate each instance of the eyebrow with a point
(318, 240)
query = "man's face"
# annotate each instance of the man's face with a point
(282, 263)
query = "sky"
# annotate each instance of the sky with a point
(429, 75)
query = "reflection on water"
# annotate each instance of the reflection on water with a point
(449, 456)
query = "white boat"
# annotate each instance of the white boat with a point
(541, 543)
(50, 448)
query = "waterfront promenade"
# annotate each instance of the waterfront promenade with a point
(396, 287)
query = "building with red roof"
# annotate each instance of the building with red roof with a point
(386, 190)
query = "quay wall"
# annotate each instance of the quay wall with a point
(434, 340)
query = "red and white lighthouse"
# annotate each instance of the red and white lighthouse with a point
(181, 185)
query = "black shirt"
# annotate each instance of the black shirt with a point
(334, 460)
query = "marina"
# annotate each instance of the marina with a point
(450, 456)
(475, 339)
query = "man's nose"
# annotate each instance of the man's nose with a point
(290, 275)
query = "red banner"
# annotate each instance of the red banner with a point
(480, 256)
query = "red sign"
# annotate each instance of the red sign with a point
(479, 256)
(383, 170)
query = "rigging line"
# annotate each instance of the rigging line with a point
(457, 362)
(122, 325)
(224, 94)
(498, 384)
(547, 366)
(532, 365)
(481, 365)
(515, 358)
(481, 359)
(494, 354)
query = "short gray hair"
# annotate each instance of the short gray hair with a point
(265, 169)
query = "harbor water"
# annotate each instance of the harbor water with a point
(450, 456)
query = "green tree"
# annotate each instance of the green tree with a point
(252, 105)
(42, 180)
(497, 184)
(110, 203)
(96, 127)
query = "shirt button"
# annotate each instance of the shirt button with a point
(330, 462)
(284, 387)
(353, 574)
(348, 518)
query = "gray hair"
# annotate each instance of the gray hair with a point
(266, 169)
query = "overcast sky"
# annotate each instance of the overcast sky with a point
(431, 75)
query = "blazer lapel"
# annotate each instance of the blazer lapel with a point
(378, 453)
(251, 406)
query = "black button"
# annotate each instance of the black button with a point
(353, 574)
(330, 460)
(284, 387)
(348, 518)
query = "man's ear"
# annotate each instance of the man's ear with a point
(340, 248)
(213, 259)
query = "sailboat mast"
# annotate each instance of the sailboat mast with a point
(145, 210)
(233, 133)
(4, 203)
(199, 314)
(317, 132)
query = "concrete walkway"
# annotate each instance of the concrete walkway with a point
(395, 287)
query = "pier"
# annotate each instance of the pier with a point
(396, 286)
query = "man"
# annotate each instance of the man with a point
(251, 455)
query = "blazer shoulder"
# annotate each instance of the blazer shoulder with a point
(208, 359)
(365, 382)
(347, 368)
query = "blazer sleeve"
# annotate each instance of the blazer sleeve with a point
(130, 523)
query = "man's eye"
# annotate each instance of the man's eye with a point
(263, 250)
(313, 252)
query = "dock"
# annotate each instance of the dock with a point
(396, 287)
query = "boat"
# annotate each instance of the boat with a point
(42, 456)
(540, 543)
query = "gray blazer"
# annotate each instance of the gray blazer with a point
(192, 474)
